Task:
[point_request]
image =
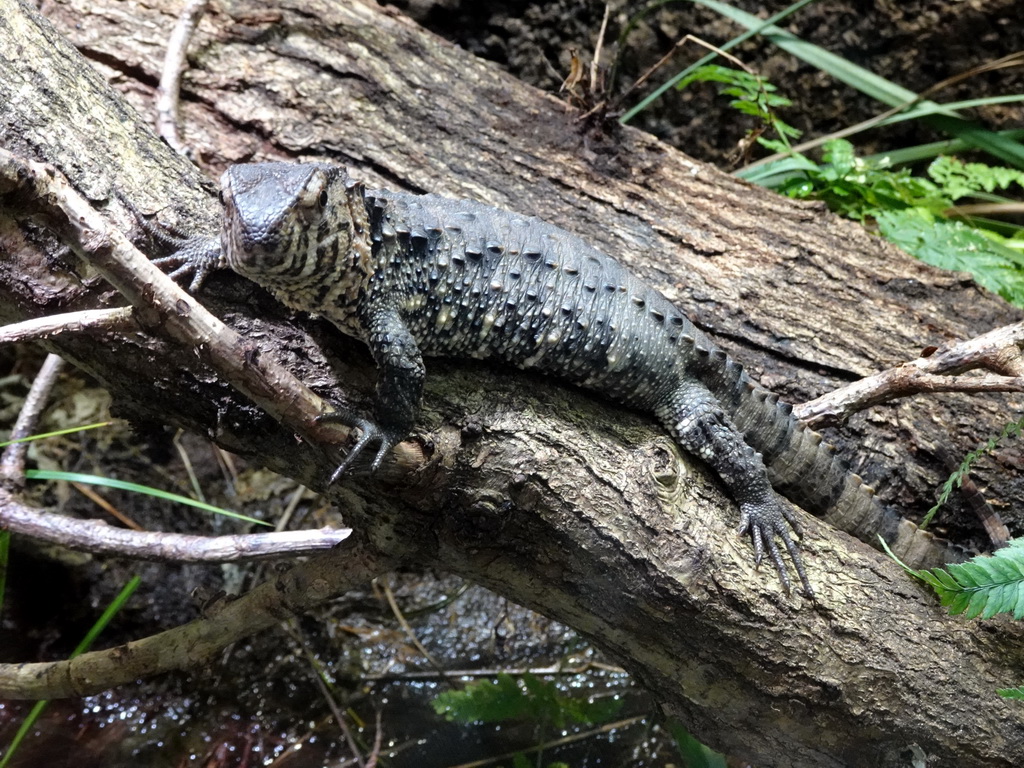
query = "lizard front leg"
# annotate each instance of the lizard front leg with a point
(700, 426)
(399, 388)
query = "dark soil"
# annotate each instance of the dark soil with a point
(916, 44)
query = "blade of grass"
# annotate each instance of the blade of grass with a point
(905, 111)
(976, 136)
(101, 623)
(936, 148)
(26, 726)
(37, 709)
(862, 79)
(765, 170)
(926, 109)
(77, 477)
(67, 431)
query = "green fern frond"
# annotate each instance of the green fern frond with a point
(1011, 693)
(983, 586)
(752, 95)
(525, 696)
(959, 179)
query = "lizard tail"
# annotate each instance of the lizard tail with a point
(807, 471)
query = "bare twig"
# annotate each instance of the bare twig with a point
(554, 669)
(286, 756)
(409, 631)
(332, 704)
(998, 351)
(319, 674)
(12, 462)
(378, 740)
(984, 209)
(595, 85)
(198, 643)
(170, 79)
(679, 44)
(97, 537)
(40, 328)
(186, 462)
(290, 508)
(106, 506)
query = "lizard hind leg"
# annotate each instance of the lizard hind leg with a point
(699, 425)
(399, 389)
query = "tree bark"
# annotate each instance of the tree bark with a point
(562, 503)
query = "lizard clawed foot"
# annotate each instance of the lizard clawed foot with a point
(767, 522)
(369, 432)
(196, 256)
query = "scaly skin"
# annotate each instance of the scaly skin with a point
(416, 276)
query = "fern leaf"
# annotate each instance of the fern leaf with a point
(1006, 597)
(956, 600)
(964, 574)
(979, 601)
(955, 246)
(983, 586)
(945, 580)
(1011, 693)
(1018, 609)
(485, 701)
(959, 179)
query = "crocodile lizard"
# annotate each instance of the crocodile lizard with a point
(416, 276)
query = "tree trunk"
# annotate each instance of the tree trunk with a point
(562, 503)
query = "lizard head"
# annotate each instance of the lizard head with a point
(289, 226)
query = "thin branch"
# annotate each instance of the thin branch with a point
(998, 351)
(595, 68)
(553, 669)
(339, 718)
(320, 676)
(679, 44)
(378, 740)
(42, 328)
(186, 462)
(170, 79)
(410, 633)
(199, 643)
(12, 462)
(40, 190)
(295, 631)
(984, 209)
(97, 537)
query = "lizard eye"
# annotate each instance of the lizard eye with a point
(323, 198)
